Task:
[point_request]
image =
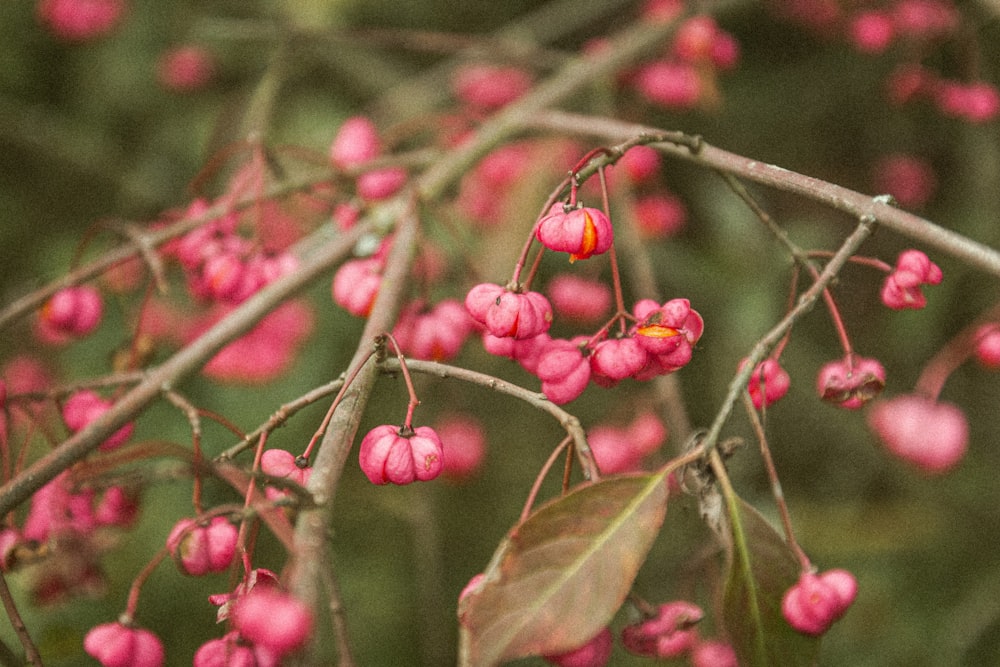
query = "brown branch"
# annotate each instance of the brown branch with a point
(328, 253)
(311, 529)
(853, 203)
(535, 399)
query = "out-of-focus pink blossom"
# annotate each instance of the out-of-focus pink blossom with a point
(932, 436)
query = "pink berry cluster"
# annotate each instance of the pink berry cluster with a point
(435, 332)
(466, 450)
(482, 87)
(768, 384)
(124, 645)
(816, 601)
(658, 213)
(267, 624)
(685, 75)
(221, 266)
(64, 515)
(917, 28)
(357, 143)
(283, 464)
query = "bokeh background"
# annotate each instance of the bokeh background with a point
(87, 134)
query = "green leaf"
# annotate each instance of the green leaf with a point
(558, 578)
(761, 569)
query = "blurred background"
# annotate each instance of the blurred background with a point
(91, 133)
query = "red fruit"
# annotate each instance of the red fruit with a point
(988, 345)
(768, 383)
(668, 333)
(507, 314)
(268, 350)
(488, 87)
(595, 653)
(659, 215)
(80, 20)
(713, 654)
(669, 84)
(902, 287)
(850, 382)
(563, 370)
(71, 312)
(910, 180)
(640, 163)
(390, 454)
(582, 232)
(355, 285)
(273, 620)
(232, 651)
(200, 549)
(933, 436)
(185, 69)
(463, 446)
(579, 299)
(381, 183)
(356, 142)
(615, 359)
(872, 31)
(814, 603)
(86, 406)
(117, 645)
(694, 38)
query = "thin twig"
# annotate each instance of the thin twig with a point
(856, 204)
(805, 303)
(32, 657)
(536, 400)
(328, 253)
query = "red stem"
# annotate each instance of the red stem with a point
(414, 401)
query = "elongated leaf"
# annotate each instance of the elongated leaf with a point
(762, 568)
(558, 578)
